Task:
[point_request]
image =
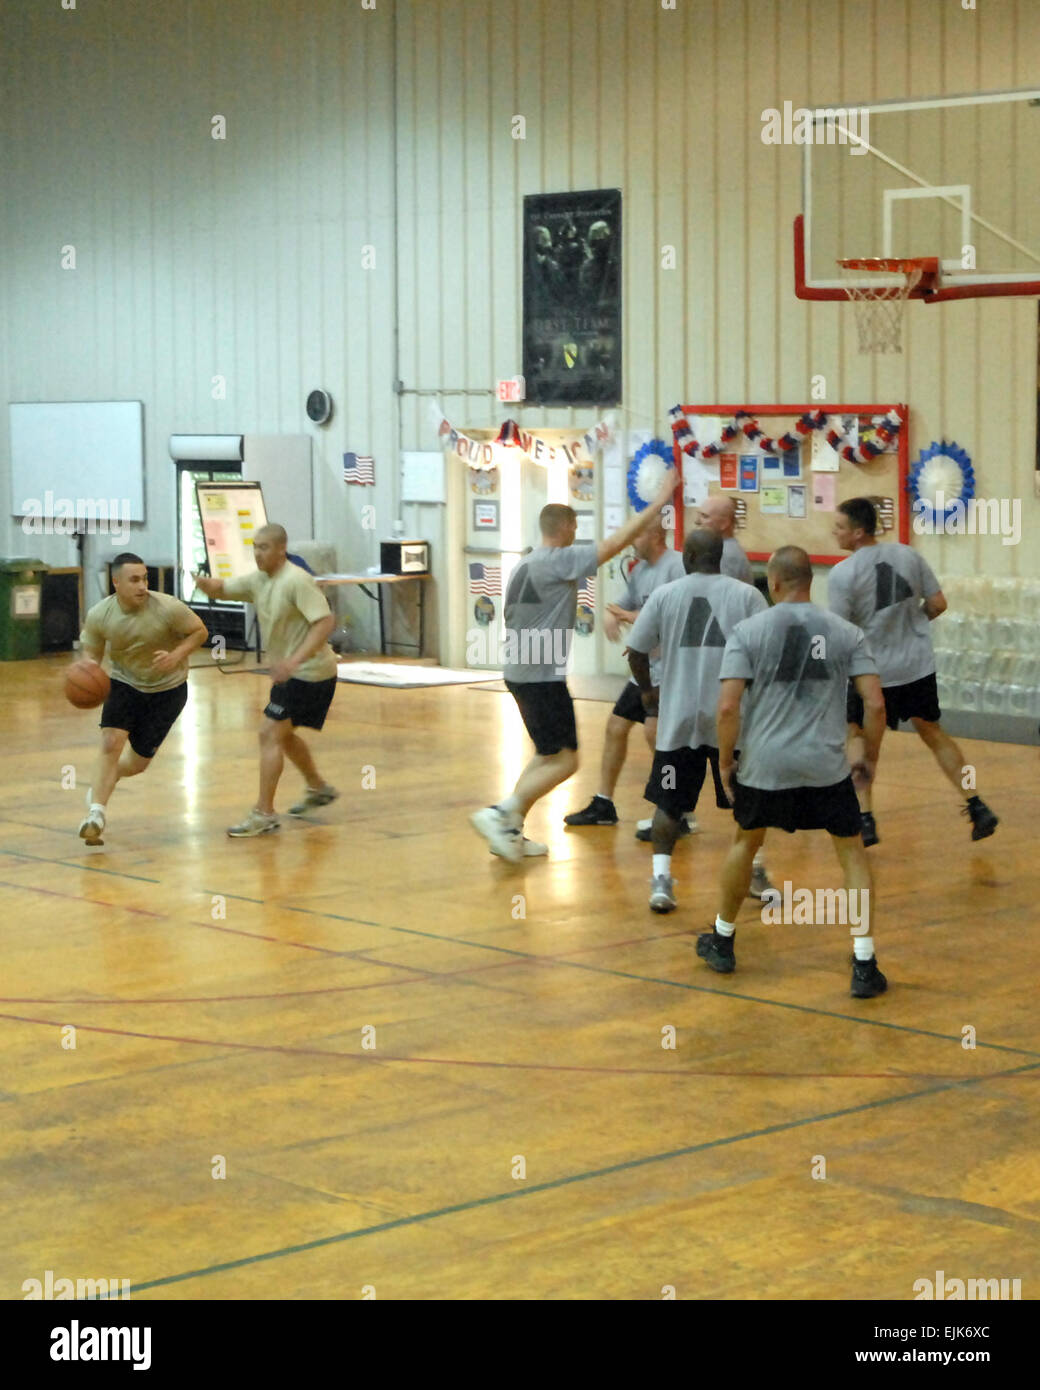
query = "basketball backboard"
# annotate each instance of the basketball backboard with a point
(953, 177)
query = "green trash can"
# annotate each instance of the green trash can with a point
(20, 587)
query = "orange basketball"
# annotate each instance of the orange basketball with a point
(86, 685)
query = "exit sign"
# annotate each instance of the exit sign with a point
(512, 389)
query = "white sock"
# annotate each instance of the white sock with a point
(604, 797)
(863, 947)
(759, 861)
(510, 808)
(662, 865)
(724, 928)
(97, 806)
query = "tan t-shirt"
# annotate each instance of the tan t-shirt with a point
(134, 638)
(286, 604)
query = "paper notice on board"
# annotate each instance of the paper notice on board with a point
(823, 491)
(824, 459)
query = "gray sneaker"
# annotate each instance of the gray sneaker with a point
(254, 824)
(91, 827)
(313, 797)
(662, 899)
(760, 884)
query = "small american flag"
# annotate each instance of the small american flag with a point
(485, 579)
(359, 468)
(587, 592)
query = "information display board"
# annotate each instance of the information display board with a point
(231, 514)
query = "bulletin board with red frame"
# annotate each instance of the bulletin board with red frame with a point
(883, 479)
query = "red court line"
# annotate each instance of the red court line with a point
(511, 1066)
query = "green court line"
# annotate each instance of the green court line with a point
(673, 984)
(74, 864)
(628, 1165)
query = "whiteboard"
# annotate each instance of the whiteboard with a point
(422, 477)
(66, 453)
(231, 513)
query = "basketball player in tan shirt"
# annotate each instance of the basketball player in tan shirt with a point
(150, 638)
(295, 622)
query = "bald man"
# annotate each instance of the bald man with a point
(295, 622)
(795, 661)
(658, 565)
(719, 514)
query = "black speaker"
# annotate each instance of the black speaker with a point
(226, 622)
(59, 612)
(161, 579)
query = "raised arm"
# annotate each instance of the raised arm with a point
(625, 535)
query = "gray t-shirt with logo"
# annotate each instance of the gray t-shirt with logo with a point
(798, 660)
(540, 609)
(642, 582)
(734, 562)
(691, 620)
(880, 588)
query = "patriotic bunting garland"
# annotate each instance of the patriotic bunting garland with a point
(886, 429)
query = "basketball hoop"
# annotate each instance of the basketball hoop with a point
(880, 308)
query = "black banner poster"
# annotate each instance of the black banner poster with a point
(572, 298)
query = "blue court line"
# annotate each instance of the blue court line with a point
(627, 1166)
(673, 984)
(75, 864)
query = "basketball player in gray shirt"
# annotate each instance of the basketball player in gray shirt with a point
(689, 621)
(658, 565)
(794, 662)
(540, 609)
(891, 593)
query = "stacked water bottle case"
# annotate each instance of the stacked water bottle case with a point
(987, 646)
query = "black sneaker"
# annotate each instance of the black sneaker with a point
(599, 811)
(870, 835)
(867, 979)
(983, 821)
(716, 951)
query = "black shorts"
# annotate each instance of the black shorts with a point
(834, 809)
(916, 700)
(547, 710)
(302, 702)
(677, 777)
(630, 705)
(147, 718)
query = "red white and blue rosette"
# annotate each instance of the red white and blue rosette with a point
(943, 470)
(646, 472)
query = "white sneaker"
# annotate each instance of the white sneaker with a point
(91, 827)
(533, 849)
(504, 839)
(256, 823)
(662, 899)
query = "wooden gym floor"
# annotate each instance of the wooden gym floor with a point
(517, 1131)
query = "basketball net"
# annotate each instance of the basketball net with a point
(880, 308)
